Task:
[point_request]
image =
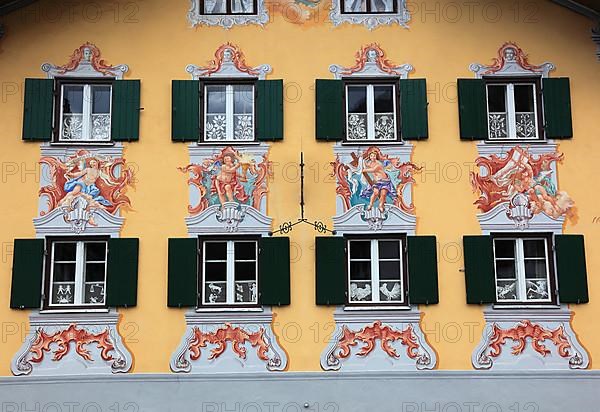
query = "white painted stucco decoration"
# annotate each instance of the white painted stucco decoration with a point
(371, 61)
(72, 344)
(86, 61)
(372, 20)
(196, 17)
(229, 62)
(511, 61)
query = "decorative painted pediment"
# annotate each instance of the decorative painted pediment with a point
(511, 61)
(229, 62)
(518, 188)
(370, 20)
(227, 21)
(228, 189)
(374, 188)
(86, 61)
(371, 61)
(82, 190)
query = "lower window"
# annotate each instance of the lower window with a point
(524, 271)
(369, 6)
(376, 271)
(76, 274)
(371, 112)
(229, 272)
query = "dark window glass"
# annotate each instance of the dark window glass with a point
(245, 250)
(65, 251)
(524, 98)
(215, 251)
(101, 99)
(72, 99)
(357, 99)
(95, 252)
(216, 97)
(389, 270)
(505, 269)
(504, 248)
(384, 99)
(534, 248)
(355, 6)
(382, 6)
(215, 271)
(360, 249)
(245, 271)
(496, 98)
(360, 270)
(389, 249)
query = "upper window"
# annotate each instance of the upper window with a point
(371, 112)
(514, 110)
(76, 275)
(85, 112)
(523, 270)
(369, 6)
(229, 272)
(228, 112)
(228, 6)
(376, 271)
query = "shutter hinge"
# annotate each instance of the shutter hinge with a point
(461, 270)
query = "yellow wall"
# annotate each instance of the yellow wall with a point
(154, 38)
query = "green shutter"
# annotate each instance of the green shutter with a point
(27, 273)
(185, 120)
(571, 268)
(480, 278)
(125, 112)
(413, 105)
(330, 264)
(37, 114)
(122, 272)
(269, 110)
(422, 270)
(330, 109)
(183, 272)
(472, 108)
(274, 271)
(557, 108)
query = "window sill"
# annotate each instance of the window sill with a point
(82, 143)
(372, 143)
(516, 141)
(229, 143)
(375, 307)
(228, 309)
(525, 306)
(66, 311)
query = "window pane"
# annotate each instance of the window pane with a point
(63, 293)
(246, 292)
(506, 290)
(360, 249)
(214, 6)
(242, 6)
(524, 98)
(496, 98)
(65, 251)
(535, 268)
(389, 249)
(360, 270)
(94, 293)
(72, 99)
(538, 289)
(94, 272)
(243, 98)
(215, 251)
(215, 292)
(95, 251)
(389, 270)
(504, 248)
(534, 248)
(390, 291)
(101, 99)
(505, 269)
(215, 99)
(357, 99)
(245, 250)
(384, 99)
(360, 291)
(64, 272)
(355, 6)
(245, 271)
(215, 271)
(382, 6)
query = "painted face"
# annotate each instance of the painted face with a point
(227, 160)
(87, 54)
(372, 55)
(227, 55)
(372, 156)
(510, 54)
(93, 163)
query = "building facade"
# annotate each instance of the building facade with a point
(335, 205)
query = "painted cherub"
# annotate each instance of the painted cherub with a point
(83, 183)
(226, 184)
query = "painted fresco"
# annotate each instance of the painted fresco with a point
(229, 176)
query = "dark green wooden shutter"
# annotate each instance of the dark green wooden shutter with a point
(480, 278)
(183, 272)
(330, 264)
(274, 271)
(27, 274)
(557, 108)
(422, 270)
(122, 272)
(413, 105)
(185, 119)
(330, 109)
(125, 113)
(472, 109)
(571, 268)
(269, 110)
(37, 114)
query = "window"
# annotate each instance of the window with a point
(77, 273)
(513, 110)
(369, 6)
(371, 112)
(228, 6)
(85, 112)
(376, 271)
(229, 272)
(228, 112)
(523, 270)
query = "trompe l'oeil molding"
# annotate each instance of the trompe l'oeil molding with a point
(86, 61)
(511, 61)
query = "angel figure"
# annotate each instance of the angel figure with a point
(83, 182)
(380, 184)
(226, 184)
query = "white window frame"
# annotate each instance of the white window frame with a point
(229, 114)
(79, 287)
(230, 278)
(87, 113)
(371, 112)
(520, 271)
(374, 260)
(511, 114)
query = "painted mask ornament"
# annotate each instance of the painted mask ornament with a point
(85, 183)
(524, 183)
